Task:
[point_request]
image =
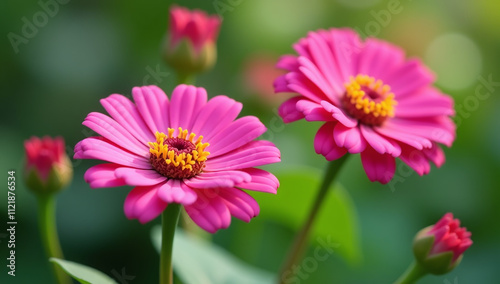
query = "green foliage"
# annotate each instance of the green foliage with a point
(82, 273)
(337, 220)
(199, 261)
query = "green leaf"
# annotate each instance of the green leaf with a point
(198, 261)
(82, 273)
(336, 221)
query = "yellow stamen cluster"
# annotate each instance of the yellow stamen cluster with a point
(179, 157)
(357, 96)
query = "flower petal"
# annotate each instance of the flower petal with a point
(153, 106)
(381, 144)
(103, 175)
(288, 110)
(262, 181)
(379, 59)
(113, 131)
(325, 145)
(349, 138)
(415, 159)
(435, 154)
(176, 191)
(209, 211)
(143, 204)
(339, 115)
(185, 104)
(101, 149)
(138, 177)
(313, 111)
(217, 114)
(126, 114)
(253, 154)
(237, 134)
(240, 204)
(378, 167)
(218, 179)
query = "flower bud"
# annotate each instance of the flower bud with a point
(439, 248)
(48, 168)
(190, 45)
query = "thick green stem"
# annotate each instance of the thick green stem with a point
(412, 274)
(301, 239)
(169, 217)
(48, 232)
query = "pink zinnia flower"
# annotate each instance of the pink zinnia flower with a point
(195, 26)
(372, 101)
(187, 150)
(190, 45)
(439, 248)
(449, 237)
(47, 168)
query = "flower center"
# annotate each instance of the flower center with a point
(178, 157)
(368, 100)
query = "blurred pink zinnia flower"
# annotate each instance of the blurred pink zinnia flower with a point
(372, 101)
(48, 168)
(190, 45)
(449, 236)
(187, 150)
(439, 248)
(196, 26)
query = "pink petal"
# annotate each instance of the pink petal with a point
(324, 58)
(325, 145)
(316, 77)
(379, 59)
(378, 167)
(216, 115)
(313, 111)
(101, 149)
(346, 45)
(262, 181)
(179, 17)
(339, 115)
(428, 130)
(138, 177)
(396, 133)
(126, 114)
(301, 84)
(349, 138)
(240, 204)
(176, 191)
(253, 154)
(185, 104)
(153, 106)
(209, 211)
(427, 102)
(415, 159)
(288, 62)
(381, 144)
(235, 135)
(103, 175)
(143, 204)
(113, 131)
(288, 110)
(280, 85)
(218, 179)
(435, 154)
(409, 78)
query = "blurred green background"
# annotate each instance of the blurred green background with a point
(87, 50)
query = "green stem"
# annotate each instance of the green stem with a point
(185, 78)
(169, 217)
(412, 274)
(48, 232)
(301, 239)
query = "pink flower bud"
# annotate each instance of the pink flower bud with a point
(48, 168)
(439, 248)
(190, 46)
